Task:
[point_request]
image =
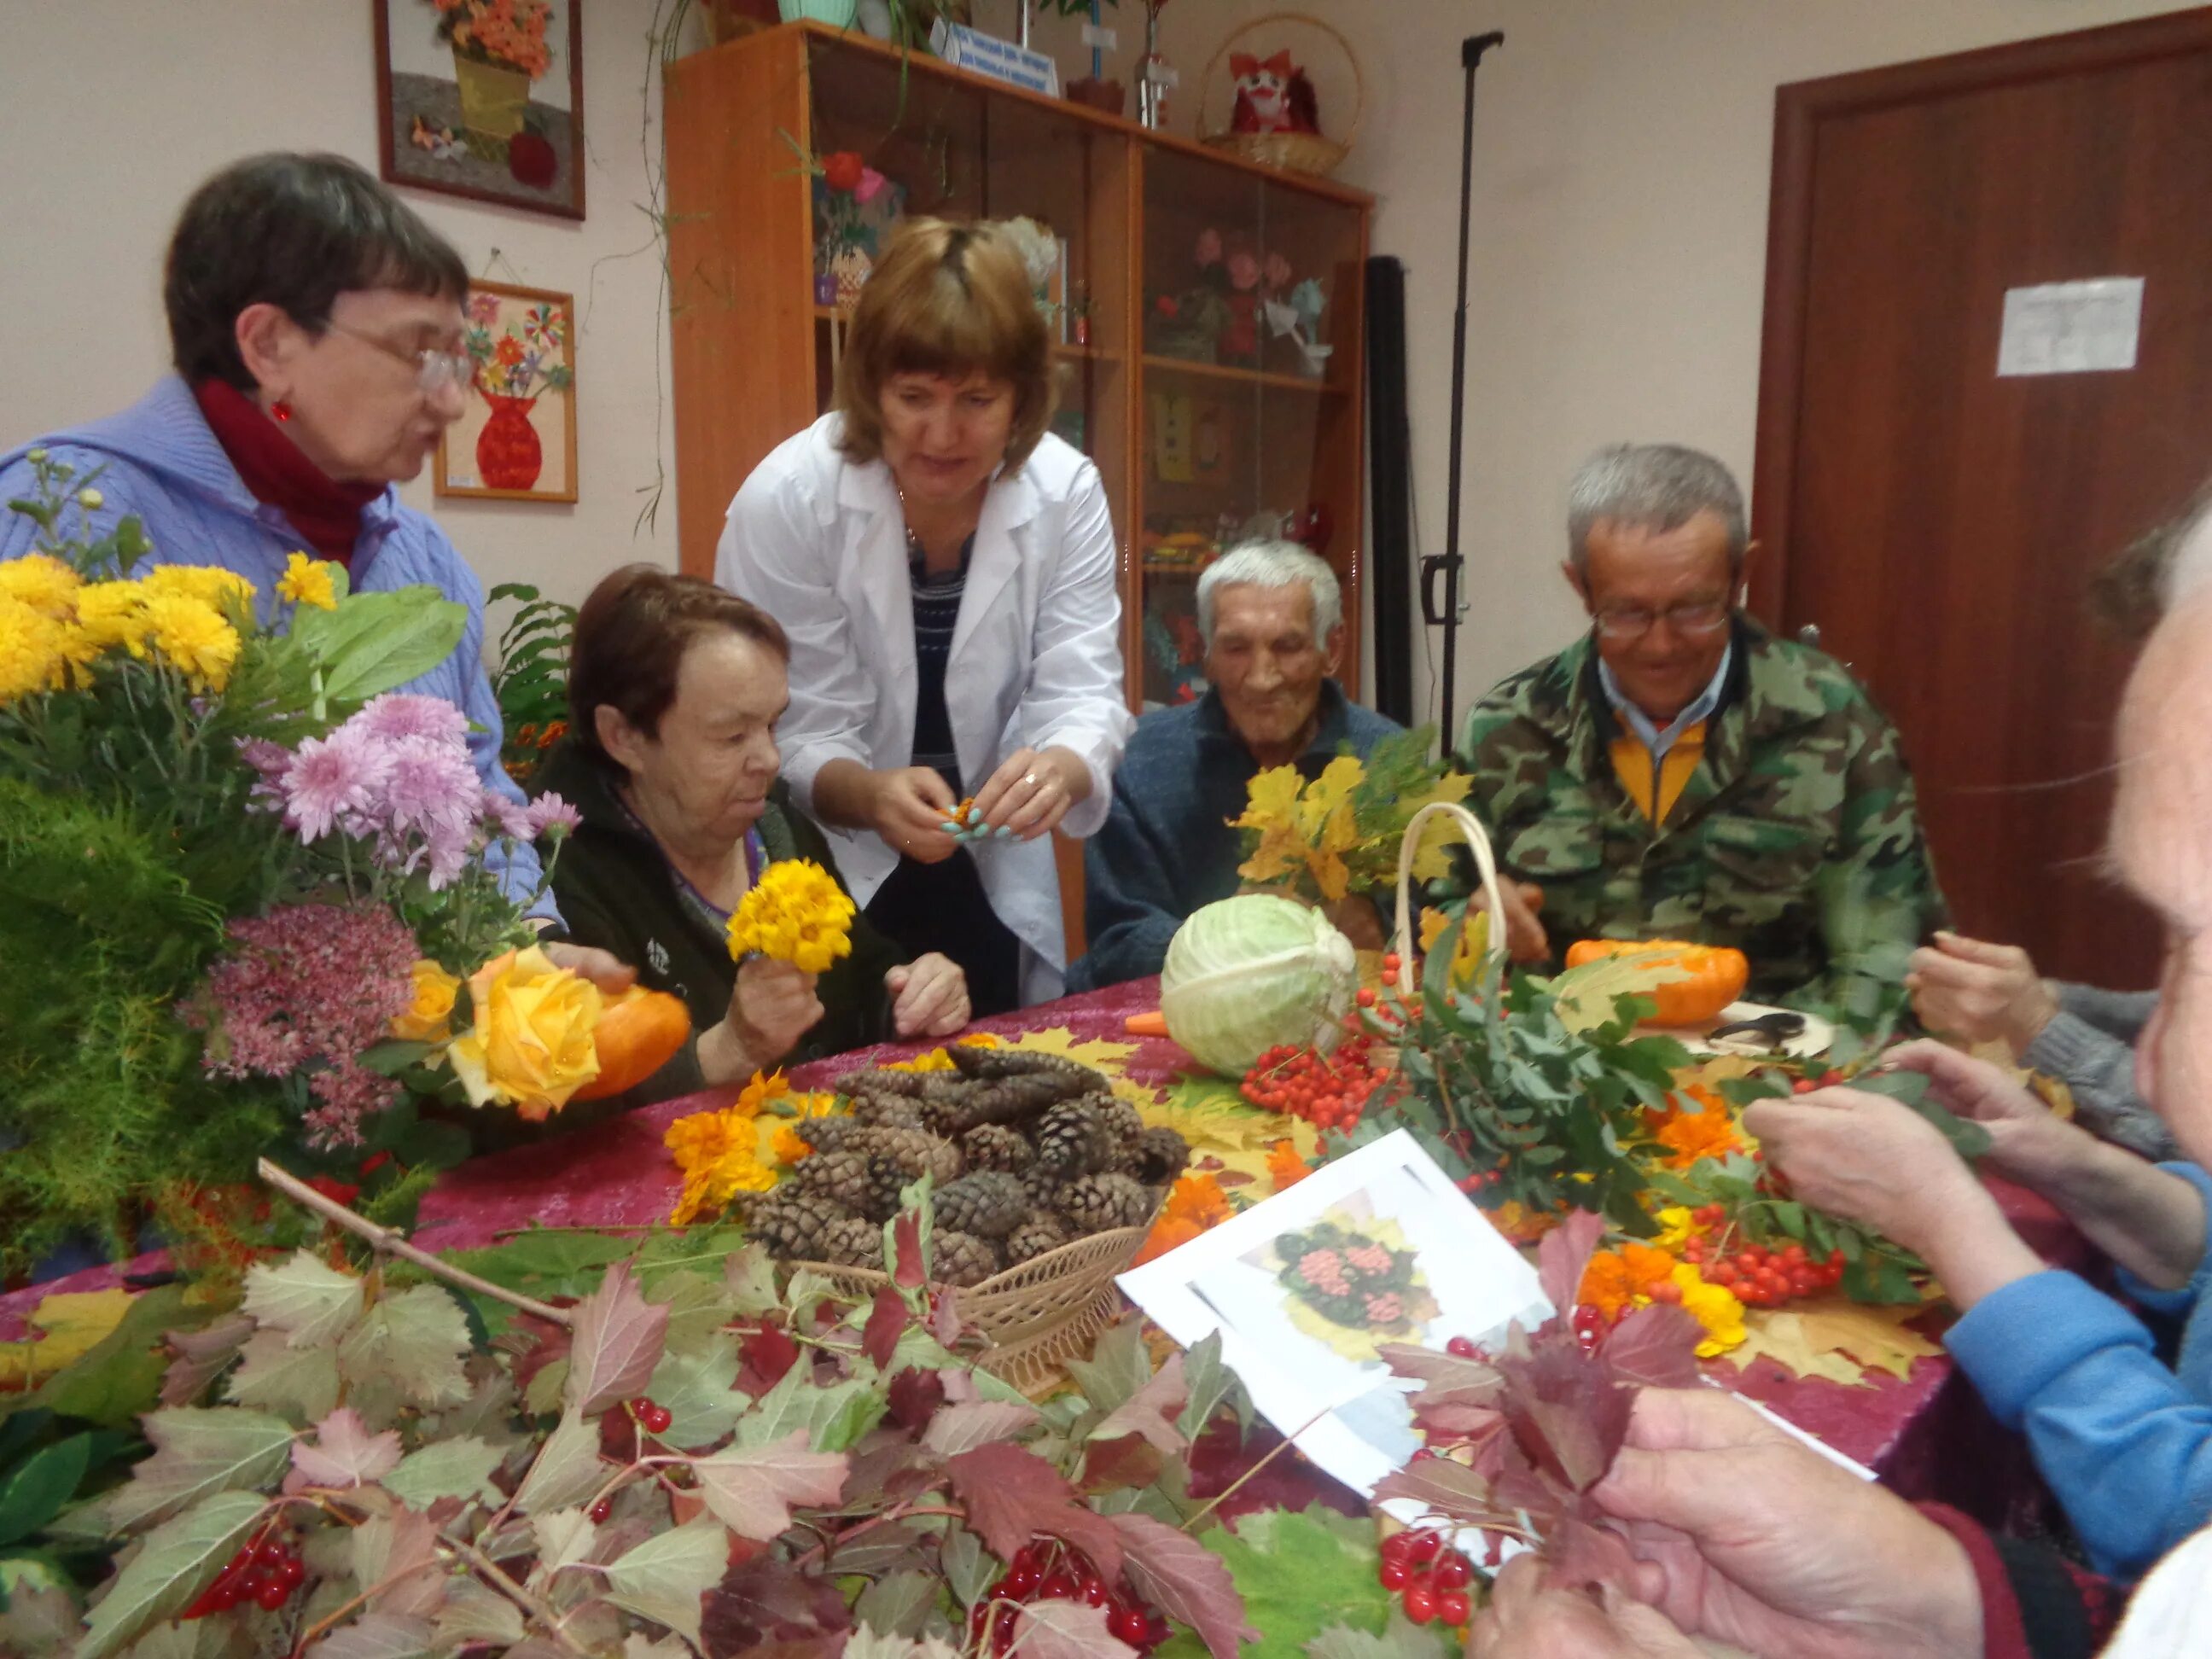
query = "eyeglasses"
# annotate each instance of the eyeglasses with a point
(1633, 621)
(435, 370)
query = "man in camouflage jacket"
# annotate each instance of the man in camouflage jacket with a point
(1793, 835)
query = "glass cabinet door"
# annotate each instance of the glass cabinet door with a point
(1251, 411)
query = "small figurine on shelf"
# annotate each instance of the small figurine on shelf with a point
(1240, 341)
(854, 208)
(1298, 319)
(1187, 326)
(1273, 95)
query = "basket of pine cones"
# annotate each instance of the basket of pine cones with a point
(1044, 1184)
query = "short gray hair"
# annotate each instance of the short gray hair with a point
(1652, 487)
(1272, 564)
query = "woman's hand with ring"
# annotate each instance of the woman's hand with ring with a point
(1031, 792)
(908, 809)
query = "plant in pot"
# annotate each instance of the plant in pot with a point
(1092, 89)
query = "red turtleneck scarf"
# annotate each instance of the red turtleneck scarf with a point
(279, 473)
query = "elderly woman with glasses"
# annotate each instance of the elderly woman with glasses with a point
(1680, 773)
(315, 331)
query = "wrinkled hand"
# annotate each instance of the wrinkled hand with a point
(1031, 792)
(2026, 1141)
(603, 967)
(1979, 992)
(1753, 1540)
(931, 994)
(1526, 1621)
(1865, 1157)
(908, 807)
(772, 1006)
(1526, 939)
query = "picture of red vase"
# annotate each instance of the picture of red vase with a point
(508, 454)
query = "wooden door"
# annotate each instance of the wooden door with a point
(1939, 523)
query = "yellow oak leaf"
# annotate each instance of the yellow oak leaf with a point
(73, 1323)
(1837, 1339)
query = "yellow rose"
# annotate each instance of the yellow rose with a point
(429, 1018)
(530, 1046)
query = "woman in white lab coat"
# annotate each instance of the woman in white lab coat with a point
(946, 571)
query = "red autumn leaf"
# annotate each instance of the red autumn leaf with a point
(1563, 1256)
(618, 1341)
(879, 1340)
(1010, 1495)
(770, 1351)
(1446, 1379)
(1067, 1630)
(915, 1395)
(906, 1248)
(944, 1322)
(1151, 1411)
(535, 1343)
(1439, 1483)
(1118, 1465)
(1567, 1410)
(1578, 1555)
(1656, 1345)
(763, 1600)
(1186, 1581)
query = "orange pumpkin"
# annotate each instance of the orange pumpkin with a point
(637, 1033)
(1714, 975)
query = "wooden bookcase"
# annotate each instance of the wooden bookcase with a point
(1195, 439)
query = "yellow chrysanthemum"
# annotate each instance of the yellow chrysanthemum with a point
(758, 1092)
(1714, 1307)
(224, 592)
(716, 1152)
(796, 913)
(30, 657)
(193, 638)
(44, 583)
(1677, 1227)
(307, 581)
(113, 614)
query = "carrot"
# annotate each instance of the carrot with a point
(1154, 1024)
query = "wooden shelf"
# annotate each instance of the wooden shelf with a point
(1085, 354)
(1248, 376)
(1162, 568)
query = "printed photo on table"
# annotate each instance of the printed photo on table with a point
(483, 99)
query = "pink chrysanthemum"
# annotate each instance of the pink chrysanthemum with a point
(505, 818)
(331, 783)
(429, 786)
(397, 714)
(549, 813)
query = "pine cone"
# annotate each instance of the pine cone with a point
(916, 1152)
(1044, 1229)
(791, 1223)
(1100, 1203)
(826, 1134)
(1015, 1099)
(997, 1146)
(1042, 1187)
(1156, 1157)
(1070, 1140)
(873, 1111)
(992, 1064)
(852, 1242)
(840, 1178)
(989, 1203)
(886, 1180)
(1120, 1119)
(963, 1259)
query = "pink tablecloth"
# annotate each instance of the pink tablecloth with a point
(1926, 1434)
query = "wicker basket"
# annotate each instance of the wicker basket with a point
(1036, 1316)
(1478, 839)
(1292, 152)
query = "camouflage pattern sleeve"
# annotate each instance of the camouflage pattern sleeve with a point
(1878, 896)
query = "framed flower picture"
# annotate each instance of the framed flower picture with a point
(516, 440)
(483, 99)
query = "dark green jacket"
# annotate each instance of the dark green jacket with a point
(617, 891)
(1797, 840)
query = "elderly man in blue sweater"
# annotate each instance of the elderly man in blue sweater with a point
(1272, 619)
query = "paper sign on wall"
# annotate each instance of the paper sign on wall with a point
(2071, 328)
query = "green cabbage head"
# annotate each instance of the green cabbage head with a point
(1253, 971)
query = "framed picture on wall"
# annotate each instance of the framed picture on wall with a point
(516, 440)
(483, 99)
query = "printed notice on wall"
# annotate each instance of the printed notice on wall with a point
(2071, 328)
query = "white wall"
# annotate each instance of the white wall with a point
(1618, 274)
(109, 122)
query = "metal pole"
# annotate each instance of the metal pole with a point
(1470, 56)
